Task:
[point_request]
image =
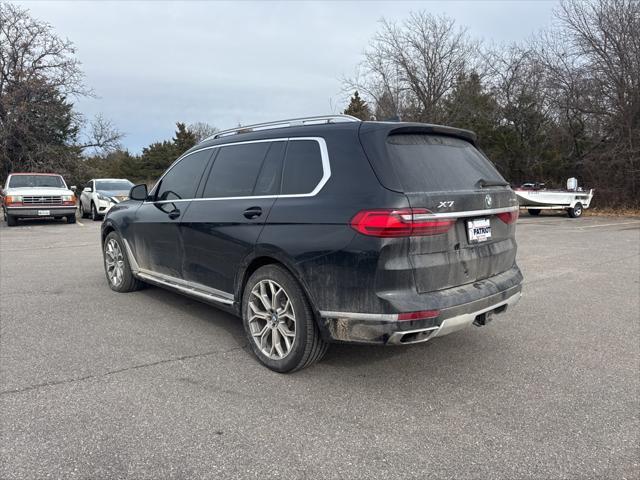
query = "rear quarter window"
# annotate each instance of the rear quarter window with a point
(428, 163)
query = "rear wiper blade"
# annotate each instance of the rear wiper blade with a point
(491, 183)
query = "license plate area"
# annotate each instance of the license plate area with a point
(44, 213)
(478, 230)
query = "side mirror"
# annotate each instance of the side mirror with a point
(73, 188)
(87, 189)
(138, 192)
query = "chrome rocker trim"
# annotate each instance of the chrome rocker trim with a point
(184, 286)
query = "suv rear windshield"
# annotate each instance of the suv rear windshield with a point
(430, 163)
(27, 181)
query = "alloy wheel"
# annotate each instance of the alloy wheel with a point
(272, 320)
(114, 261)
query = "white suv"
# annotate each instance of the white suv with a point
(101, 194)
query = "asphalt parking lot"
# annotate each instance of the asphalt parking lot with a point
(155, 385)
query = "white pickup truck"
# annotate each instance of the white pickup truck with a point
(36, 195)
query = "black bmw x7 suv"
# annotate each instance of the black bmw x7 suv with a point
(326, 229)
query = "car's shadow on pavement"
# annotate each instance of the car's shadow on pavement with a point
(341, 356)
(201, 311)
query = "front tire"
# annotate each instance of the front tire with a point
(71, 218)
(575, 211)
(12, 220)
(95, 216)
(279, 321)
(116, 265)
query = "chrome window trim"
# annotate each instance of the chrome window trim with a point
(324, 155)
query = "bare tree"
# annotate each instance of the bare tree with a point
(594, 72)
(202, 130)
(101, 136)
(39, 74)
(415, 64)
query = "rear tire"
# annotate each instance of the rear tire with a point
(534, 212)
(116, 265)
(575, 211)
(12, 221)
(281, 330)
(83, 214)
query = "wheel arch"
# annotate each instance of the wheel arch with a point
(253, 263)
(107, 228)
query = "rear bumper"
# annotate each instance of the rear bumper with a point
(31, 212)
(385, 329)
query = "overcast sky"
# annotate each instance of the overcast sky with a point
(154, 63)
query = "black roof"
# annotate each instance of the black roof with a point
(313, 130)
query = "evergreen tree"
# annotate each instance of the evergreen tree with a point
(184, 138)
(358, 108)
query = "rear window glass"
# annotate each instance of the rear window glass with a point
(302, 167)
(23, 181)
(429, 163)
(235, 170)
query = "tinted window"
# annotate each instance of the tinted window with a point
(235, 170)
(427, 163)
(268, 182)
(22, 181)
(302, 167)
(181, 182)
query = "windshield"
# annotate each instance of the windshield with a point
(28, 181)
(429, 163)
(113, 185)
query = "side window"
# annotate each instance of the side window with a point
(181, 182)
(302, 167)
(268, 182)
(235, 170)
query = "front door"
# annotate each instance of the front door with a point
(156, 232)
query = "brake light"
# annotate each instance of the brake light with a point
(422, 315)
(509, 217)
(404, 222)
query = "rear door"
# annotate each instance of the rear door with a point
(447, 179)
(223, 225)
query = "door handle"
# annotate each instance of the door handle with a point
(252, 212)
(173, 214)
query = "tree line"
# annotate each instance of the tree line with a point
(564, 103)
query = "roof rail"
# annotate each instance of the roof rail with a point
(282, 124)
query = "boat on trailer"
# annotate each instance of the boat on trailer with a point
(535, 198)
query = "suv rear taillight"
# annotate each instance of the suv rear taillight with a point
(509, 217)
(404, 222)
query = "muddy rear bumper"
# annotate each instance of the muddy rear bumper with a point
(386, 329)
